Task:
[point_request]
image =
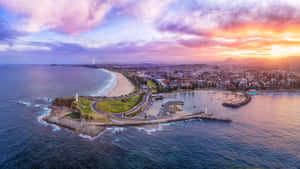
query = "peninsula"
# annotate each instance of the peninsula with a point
(139, 86)
(126, 105)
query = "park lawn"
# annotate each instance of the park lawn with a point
(94, 117)
(84, 105)
(120, 105)
(151, 84)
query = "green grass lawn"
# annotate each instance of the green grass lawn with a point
(119, 106)
(84, 105)
(151, 84)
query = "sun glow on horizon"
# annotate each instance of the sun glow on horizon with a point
(283, 51)
(258, 41)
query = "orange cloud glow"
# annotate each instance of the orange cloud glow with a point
(257, 40)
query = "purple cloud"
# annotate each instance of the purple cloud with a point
(78, 16)
(201, 18)
(7, 33)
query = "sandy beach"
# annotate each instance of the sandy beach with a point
(123, 86)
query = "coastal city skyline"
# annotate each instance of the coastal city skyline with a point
(148, 31)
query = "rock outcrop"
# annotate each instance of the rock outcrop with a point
(63, 102)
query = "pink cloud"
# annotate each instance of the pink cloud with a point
(67, 16)
(148, 10)
(77, 16)
(202, 18)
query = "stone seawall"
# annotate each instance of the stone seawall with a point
(165, 120)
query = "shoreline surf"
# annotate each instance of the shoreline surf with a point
(108, 87)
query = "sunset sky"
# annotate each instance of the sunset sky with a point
(139, 31)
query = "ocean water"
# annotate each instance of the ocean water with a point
(264, 134)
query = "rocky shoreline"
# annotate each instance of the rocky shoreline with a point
(58, 117)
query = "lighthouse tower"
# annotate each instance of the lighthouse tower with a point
(76, 97)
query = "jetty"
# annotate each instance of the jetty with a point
(200, 116)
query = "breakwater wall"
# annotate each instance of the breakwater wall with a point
(165, 120)
(245, 100)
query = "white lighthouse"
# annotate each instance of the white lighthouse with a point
(76, 97)
(93, 61)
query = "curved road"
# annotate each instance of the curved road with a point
(121, 115)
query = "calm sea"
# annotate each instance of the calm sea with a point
(263, 134)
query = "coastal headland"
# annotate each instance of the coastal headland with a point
(126, 105)
(59, 117)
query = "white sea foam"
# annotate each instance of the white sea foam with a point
(115, 130)
(28, 104)
(46, 99)
(86, 136)
(37, 105)
(111, 83)
(89, 137)
(153, 128)
(45, 112)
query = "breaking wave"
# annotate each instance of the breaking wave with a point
(111, 83)
(26, 103)
(115, 130)
(45, 112)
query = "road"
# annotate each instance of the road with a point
(121, 115)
